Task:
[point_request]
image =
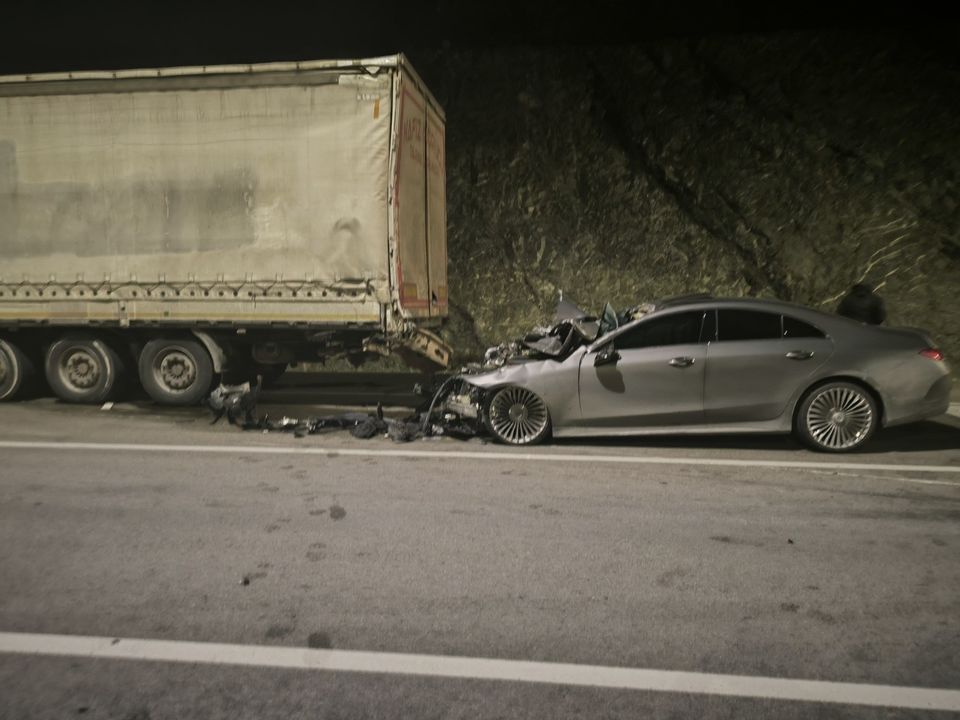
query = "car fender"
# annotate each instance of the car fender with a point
(557, 383)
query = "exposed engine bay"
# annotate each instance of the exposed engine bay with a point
(466, 400)
(572, 328)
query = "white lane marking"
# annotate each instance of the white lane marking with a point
(482, 669)
(862, 476)
(954, 409)
(466, 455)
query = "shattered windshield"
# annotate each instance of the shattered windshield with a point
(608, 319)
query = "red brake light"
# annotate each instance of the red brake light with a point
(932, 353)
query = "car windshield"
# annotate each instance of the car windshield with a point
(608, 319)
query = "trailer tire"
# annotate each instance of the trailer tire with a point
(16, 371)
(176, 371)
(83, 369)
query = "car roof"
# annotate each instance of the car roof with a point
(824, 320)
(770, 304)
(682, 300)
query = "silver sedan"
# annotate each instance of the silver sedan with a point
(716, 366)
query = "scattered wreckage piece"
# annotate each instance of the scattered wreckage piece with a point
(239, 404)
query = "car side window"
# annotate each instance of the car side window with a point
(676, 329)
(747, 325)
(708, 331)
(793, 328)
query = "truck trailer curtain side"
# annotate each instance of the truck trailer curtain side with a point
(255, 198)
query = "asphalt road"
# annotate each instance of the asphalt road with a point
(649, 554)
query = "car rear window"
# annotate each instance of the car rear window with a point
(747, 325)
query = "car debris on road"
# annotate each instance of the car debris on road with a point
(238, 403)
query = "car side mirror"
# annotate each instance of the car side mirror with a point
(607, 355)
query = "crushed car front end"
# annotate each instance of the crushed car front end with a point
(526, 388)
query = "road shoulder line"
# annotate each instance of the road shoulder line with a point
(468, 455)
(818, 691)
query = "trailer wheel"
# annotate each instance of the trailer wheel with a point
(16, 370)
(82, 369)
(176, 371)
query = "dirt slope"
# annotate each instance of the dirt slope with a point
(788, 166)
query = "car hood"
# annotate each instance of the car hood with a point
(517, 371)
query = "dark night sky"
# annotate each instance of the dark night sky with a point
(86, 35)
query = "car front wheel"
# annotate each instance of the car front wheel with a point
(517, 416)
(836, 417)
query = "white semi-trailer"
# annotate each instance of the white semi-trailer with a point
(182, 223)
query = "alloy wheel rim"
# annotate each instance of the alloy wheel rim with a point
(839, 418)
(518, 415)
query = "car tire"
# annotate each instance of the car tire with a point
(515, 415)
(836, 417)
(83, 369)
(175, 371)
(16, 371)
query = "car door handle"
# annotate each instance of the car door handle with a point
(681, 362)
(799, 355)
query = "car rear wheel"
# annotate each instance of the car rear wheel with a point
(836, 417)
(517, 416)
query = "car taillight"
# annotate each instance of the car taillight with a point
(932, 353)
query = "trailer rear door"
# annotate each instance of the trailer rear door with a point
(419, 205)
(436, 212)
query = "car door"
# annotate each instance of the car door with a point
(655, 377)
(757, 363)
